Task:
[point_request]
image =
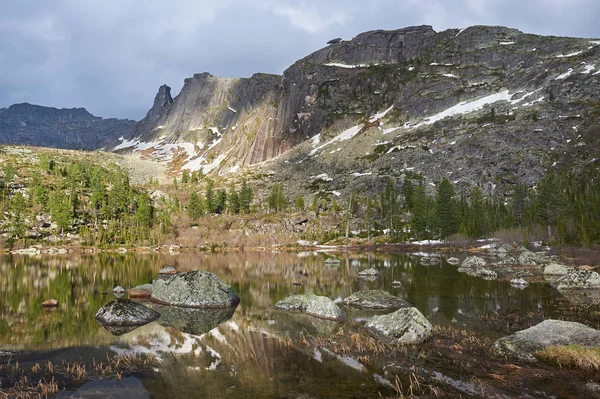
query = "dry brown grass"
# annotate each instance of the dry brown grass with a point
(571, 356)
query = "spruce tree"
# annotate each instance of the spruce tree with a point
(445, 210)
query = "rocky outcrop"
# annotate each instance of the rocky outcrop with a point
(313, 305)
(125, 312)
(523, 344)
(404, 326)
(579, 279)
(197, 289)
(528, 258)
(75, 128)
(375, 299)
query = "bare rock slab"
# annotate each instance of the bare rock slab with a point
(313, 305)
(523, 344)
(197, 289)
(375, 299)
(404, 326)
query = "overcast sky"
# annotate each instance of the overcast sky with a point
(110, 56)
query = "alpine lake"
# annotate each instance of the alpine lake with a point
(257, 351)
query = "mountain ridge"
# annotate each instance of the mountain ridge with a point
(68, 128)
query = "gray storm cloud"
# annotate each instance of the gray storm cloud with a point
(110, 56)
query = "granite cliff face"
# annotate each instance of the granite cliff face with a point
(483, 105)
(60, 128)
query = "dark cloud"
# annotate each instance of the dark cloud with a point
(111, 56)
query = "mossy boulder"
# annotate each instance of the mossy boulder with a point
(523, 344)
(375, 299)
(313, 305)
(404, 326)
(197, 289)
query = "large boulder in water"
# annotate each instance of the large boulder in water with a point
(192, 321)
(197, 289)
(313, 305)
(579, 279)
(141, 291)
(523, 344)
(125, 312)
(404, 326)
(375, 299)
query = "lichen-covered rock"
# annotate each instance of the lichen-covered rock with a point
(579, 279)
(528, 258)
(141, 291)
(197, 289)
(556, 269)
(404, 326)
(311, 304)
(453, 261)
(118, 290)
(125, 312)
(369, 272)
(192, 321)
(472, 262)
(523, 344)
(375, 299)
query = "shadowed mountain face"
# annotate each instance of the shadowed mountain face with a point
(488, 103)
(60, 128)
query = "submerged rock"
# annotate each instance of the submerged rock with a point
(404, 326)
(192, 321)
(453, 261)
(397, 283)
(125, 312)
(311, 304)
(375, 299)
(579, 279)
(197, 289)
(472, 262)
(141, 291)
(369, 272)
(523, 344)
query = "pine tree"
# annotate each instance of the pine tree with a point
(195, 207)
(233, 201)
(418, 221)
(209, 197)
(445, 209)
(476, 216)
(221, 201)
(245, 197)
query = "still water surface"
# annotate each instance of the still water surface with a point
(239, 354)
